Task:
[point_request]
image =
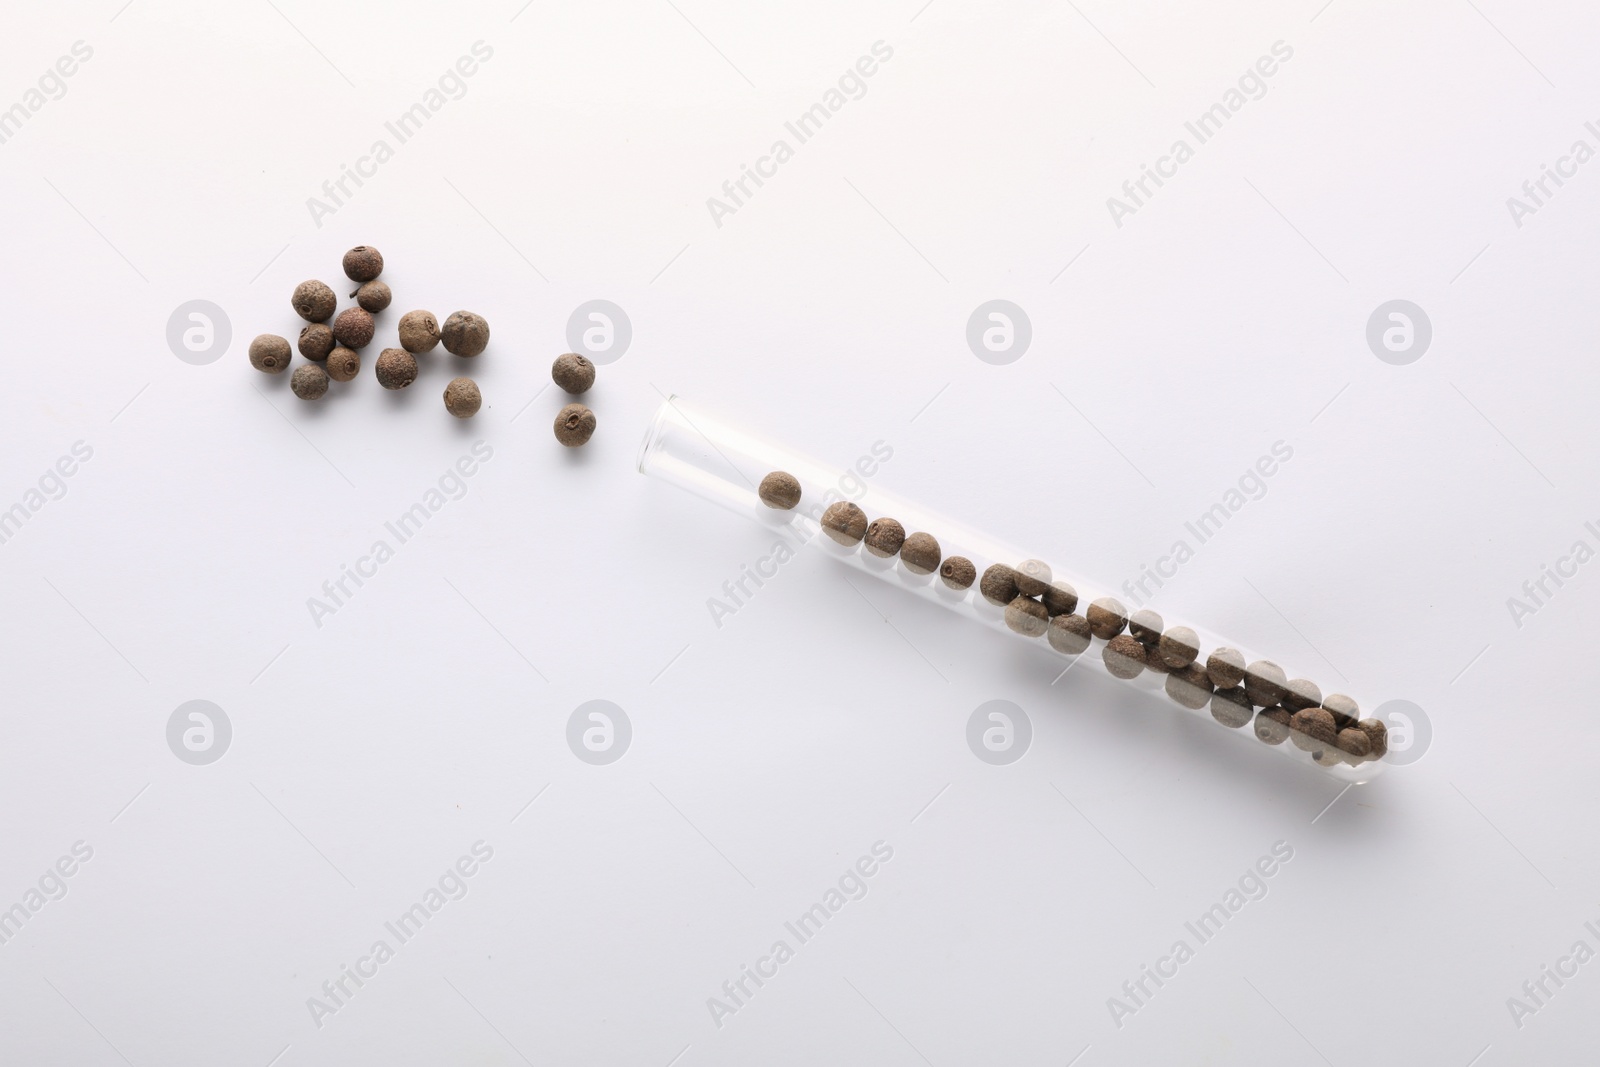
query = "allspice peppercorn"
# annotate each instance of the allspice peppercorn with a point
(574, 425)
(1146, 626)
(779, 490)
(344, 364)
(1272, 726)
(998, 585)
(1060, 598)
(920, 553)
(1301, 693)
(270, 354)
(1188, 686)
(1264, 683)
(958, 572)
(353, 328)
(1179, 646)
(1026, 616)
(1342, 708)
(1107, 617)
(1311, 729)
(363, 263)
(419, 332)
(1231, 707)
(1225, 667)
(465, 334)
(1354, 743)
(1068, 634)
(373, 296)
(314, 301)
(462, 398)
(309, 381)
(845, 523)
(1124, 656)
(1033, 577)
(573, 373)
(316, 341)
(884, 537)
(1377, 737)
(396, 368)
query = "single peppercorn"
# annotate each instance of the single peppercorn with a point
(353, 328)
(1033, 577)
(884, 537)
(396, 368)
(780, 489)
(1301, 693)
(1377, 737)
(270, 354)
(344, 364)
(373, 296)
(1272, 726)
(314, 301)
(1264, 682)
(1225, 667)
(309, 381)
(1231, 707)
(363, 263)
(316, 341)
(1146, 626)
(465, 334)
(574, 425)
(998, 585)
(1179, 646)
(1060, 598)
(1354, 743)
(920, 553)
(462, 398)
(1188, 686)
(1026, 616)
(1124, 656)
(845, 523)
(1311, 729)
(573, 373)
(958, 572)
(1107, 617)
(1344, 710)
(1068, 634)
(419, 332)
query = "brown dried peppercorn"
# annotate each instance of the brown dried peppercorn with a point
(1060, 598)
(1107, 617)
(884, 537)
(1342, 708)
(1272, 726)
(396, 368)
(1152, 659)
(1033, 577)
(462, 398)
(1225, 667)
(309, 381)
(1231, 707)
(574, 425)
(1068, 634)
(1146, 626)
(353, 328)
(573, 373)
(1354, 743)
(1264, 683)
(998, 585)
(465, 334)
(1027, 617)
(316, 341)
(1301, 693)
(1377, 737)
(920, 553)
(1311, 729)
(373, 296)
(363, 263)
(419, 331)
(1179, 646)
(314, 301)
(270, 354)
(343, 364)
(958, 572)
(1188, 686)
(779, 490)
(845, 523)
(1124, 656)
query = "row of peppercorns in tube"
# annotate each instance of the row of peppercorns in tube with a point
(1037, 604)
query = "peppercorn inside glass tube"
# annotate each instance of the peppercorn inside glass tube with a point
(1034, 598)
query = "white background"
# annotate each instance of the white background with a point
(769, 753)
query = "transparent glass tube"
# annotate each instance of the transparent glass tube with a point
(1032, 598)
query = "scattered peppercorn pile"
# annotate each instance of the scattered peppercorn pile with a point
(1036, 604)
